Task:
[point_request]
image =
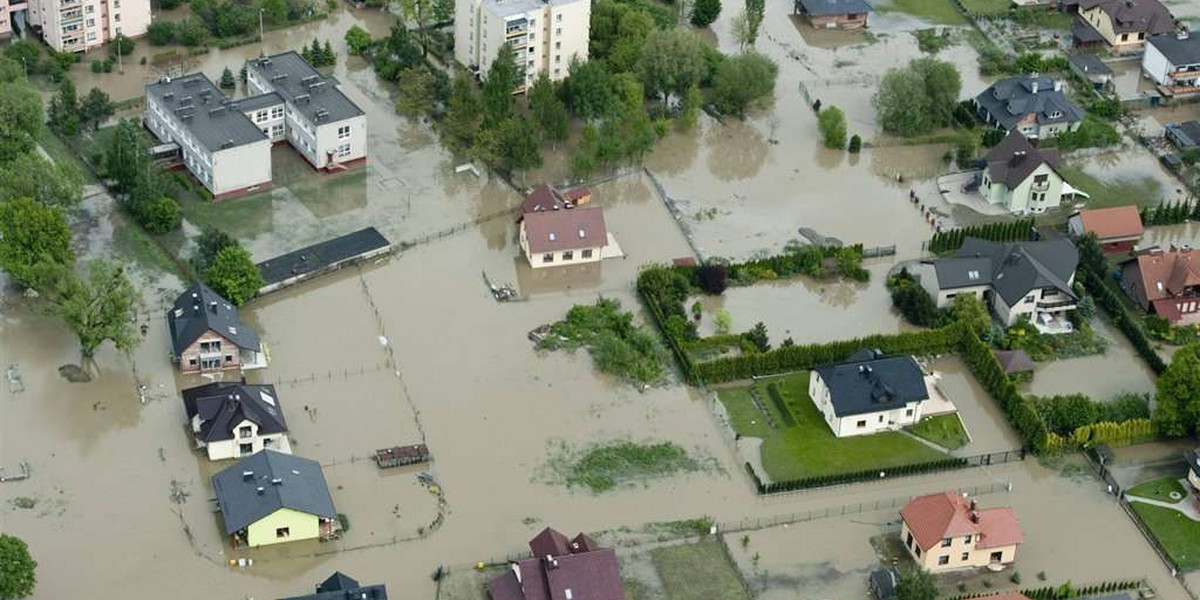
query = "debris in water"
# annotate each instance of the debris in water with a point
(13, 374)
(178, 494)
(74, 374)
(25, 473)
(24, 502)
(502, 293)
(383, 341)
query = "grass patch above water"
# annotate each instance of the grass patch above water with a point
(987, 8)
(944, 430)
(1159, 489)
(1179, 535)
(698, 571)
(809, 448)
(937, 11)
(1146, 191)
(605, 467)
(616, 344)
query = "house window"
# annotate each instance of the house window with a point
(1124, 37)
(245, 431)
(343, 132)
(880, 418)
(228, 358)
(548, 257)
(192, 362)
(943, 560)
(1029, 299)
(918, 549)
(997, 556)
(908, 412)
(343, 150)
(568, 255)
(276, 130)
(268, 442)
(282, 532)
(908, 540)
(967, 540)
(862, 423)
(586, 253)
(946, 542)
(966, 556)
(244, 449)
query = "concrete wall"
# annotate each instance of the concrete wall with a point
(1156, 65)
(342, 141)
(864, 424)
(241, 168)
(568, 27)
(301, 526)
(270, 120)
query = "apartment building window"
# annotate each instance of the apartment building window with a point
(556, 72)
(343, 150)
(265, 131)
(89, 9)
(260, 116)
(91, 22)
(277, 112)
(343, 132)
(276, 130)
(557, 58)
(116, 3)
(558, 45)
(558, 31)
(558, 18)
(117, 18)
(118, 30)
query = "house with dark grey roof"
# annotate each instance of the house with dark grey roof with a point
(218, 144)
(1024, 179)
(320, 122)
(1023, 279)
(340, 586)
(1122, 25)
(322, 257)
(270, 498)
(233, 419)
(561, 569)
(1185, 136)
(834, 14)
(1172, 60)
(869, 393)
(1089, 66)
(1034, 105)
(207, 335)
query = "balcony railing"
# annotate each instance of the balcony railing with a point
(1056, 305)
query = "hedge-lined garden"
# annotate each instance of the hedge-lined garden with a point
(951, 239)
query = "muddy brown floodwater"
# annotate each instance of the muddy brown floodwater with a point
(1100, 376)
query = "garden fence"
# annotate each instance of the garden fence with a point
(979, 460)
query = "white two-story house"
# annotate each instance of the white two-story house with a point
(233, 420)
(869, 393)
(1024, 179)
(1172, 60)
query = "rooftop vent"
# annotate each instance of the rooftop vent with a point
(212, 112)
(247, 475)
(276, 481)
(310, 79)
(302, 99)
(260, 490)
(279, 77)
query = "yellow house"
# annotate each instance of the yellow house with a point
(1125, 24)
(271, 497)
(947, 531)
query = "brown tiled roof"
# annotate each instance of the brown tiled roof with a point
(1014, 159)
(1115, 222)
(579, 572)
(1166, 274)
(545, 197)
(549, 543)
(1127, 16)
(936, 517)
(566, 229)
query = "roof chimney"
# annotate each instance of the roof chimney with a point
(974, 516)
(276, 481)
(213, 307)
(247, 475)
(1058, 85)
(1034, 86)
(260, 490)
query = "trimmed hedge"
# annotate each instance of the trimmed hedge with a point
(1020, 409)
(777, 487)
(950, 239)
(1094, 270)
(1062, 592)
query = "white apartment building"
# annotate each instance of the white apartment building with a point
(304, 107)
(546, 35)
(79, 25)
(227, 143)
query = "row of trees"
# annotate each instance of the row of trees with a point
(145, 190)
(26, 57)
(189, 31)
(1171, 213)
(318, 55)
(951, 239)
(67, 113)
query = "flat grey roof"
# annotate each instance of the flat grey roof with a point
(205, 111)
(823, 8)
(1182, 49)
(258, 102)
(505, 8)
(309, 92)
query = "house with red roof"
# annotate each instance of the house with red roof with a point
(557, 230)
(948, 531)
(1166, 283)
(561, 569)
(1118, 229)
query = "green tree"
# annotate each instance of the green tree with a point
(589, 90)
(32, 233)
(32, 176)
(704, 12)
(20, 120)
(126, 158)
(357, 40)
(121, 46)
(742, 80)
(754, 13)
(227, 81)
(969, 309)
(672, 62)
(832, 123)
(64, 109)
(97, 308)
(916, 584)
(96, 107)
(25, 53)
(1177, 407)
(689, 109)
(548, 111)
(160, 33)
(519, 146)
(233, 275)
(416, 91)
(18, 570)
(723, 321)
(758, 336)
(421, 14)
(210, 243)
(918, 98)
(502, 79)
(190, 31)
(855, 144)
(443, 11)
(942, 86)
(274, 12)
(464, 115)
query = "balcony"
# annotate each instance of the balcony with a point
(1055, 304)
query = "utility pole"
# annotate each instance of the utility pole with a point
(261, 38)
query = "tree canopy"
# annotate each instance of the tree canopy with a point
(18, 570)
(32, 233)
(742, 80)
(832, 123)
(672, 62)
(233, 275)
(32, 176)
(918, 98)
(98, 307)
(1177, 407)
(20, 119)
(705, 12)
(916, 584)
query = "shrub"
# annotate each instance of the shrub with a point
(913, 302)
(713, 279)
(161, 215)
(855, 144)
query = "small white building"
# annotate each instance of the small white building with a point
(869, 393)
(1021, 279)
(1172, 60)
(545, 35)
(233, 420)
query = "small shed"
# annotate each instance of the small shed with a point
(1014, 361)
(1090, 67)
(399, 456)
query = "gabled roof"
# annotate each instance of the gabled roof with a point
(1088, 64)
(936, 517)
(546, 197)
(1015, 268)
(566, 229)
(1012, 99)
(199, 310)
(871, 382)
(285, 481)
(221, 406)
(340, 586)
(1165, 274)
(581, 572)
(1129, 16)
(824, 8)
(1180, 49)
(1115, 222)
(1014, 159)
(321, 255)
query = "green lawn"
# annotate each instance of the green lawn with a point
(1179, 535)
(987, 8)
(698, 571)
(944, 430)
(1159, 489)
(1146, 192)
(937, 11)
(808, 448)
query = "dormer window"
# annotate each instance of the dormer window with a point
(553, 236)
(1055, 114)
(582, 234)
(972, 275)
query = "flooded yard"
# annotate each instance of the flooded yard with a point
(1100, 376)
(1130, 174)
